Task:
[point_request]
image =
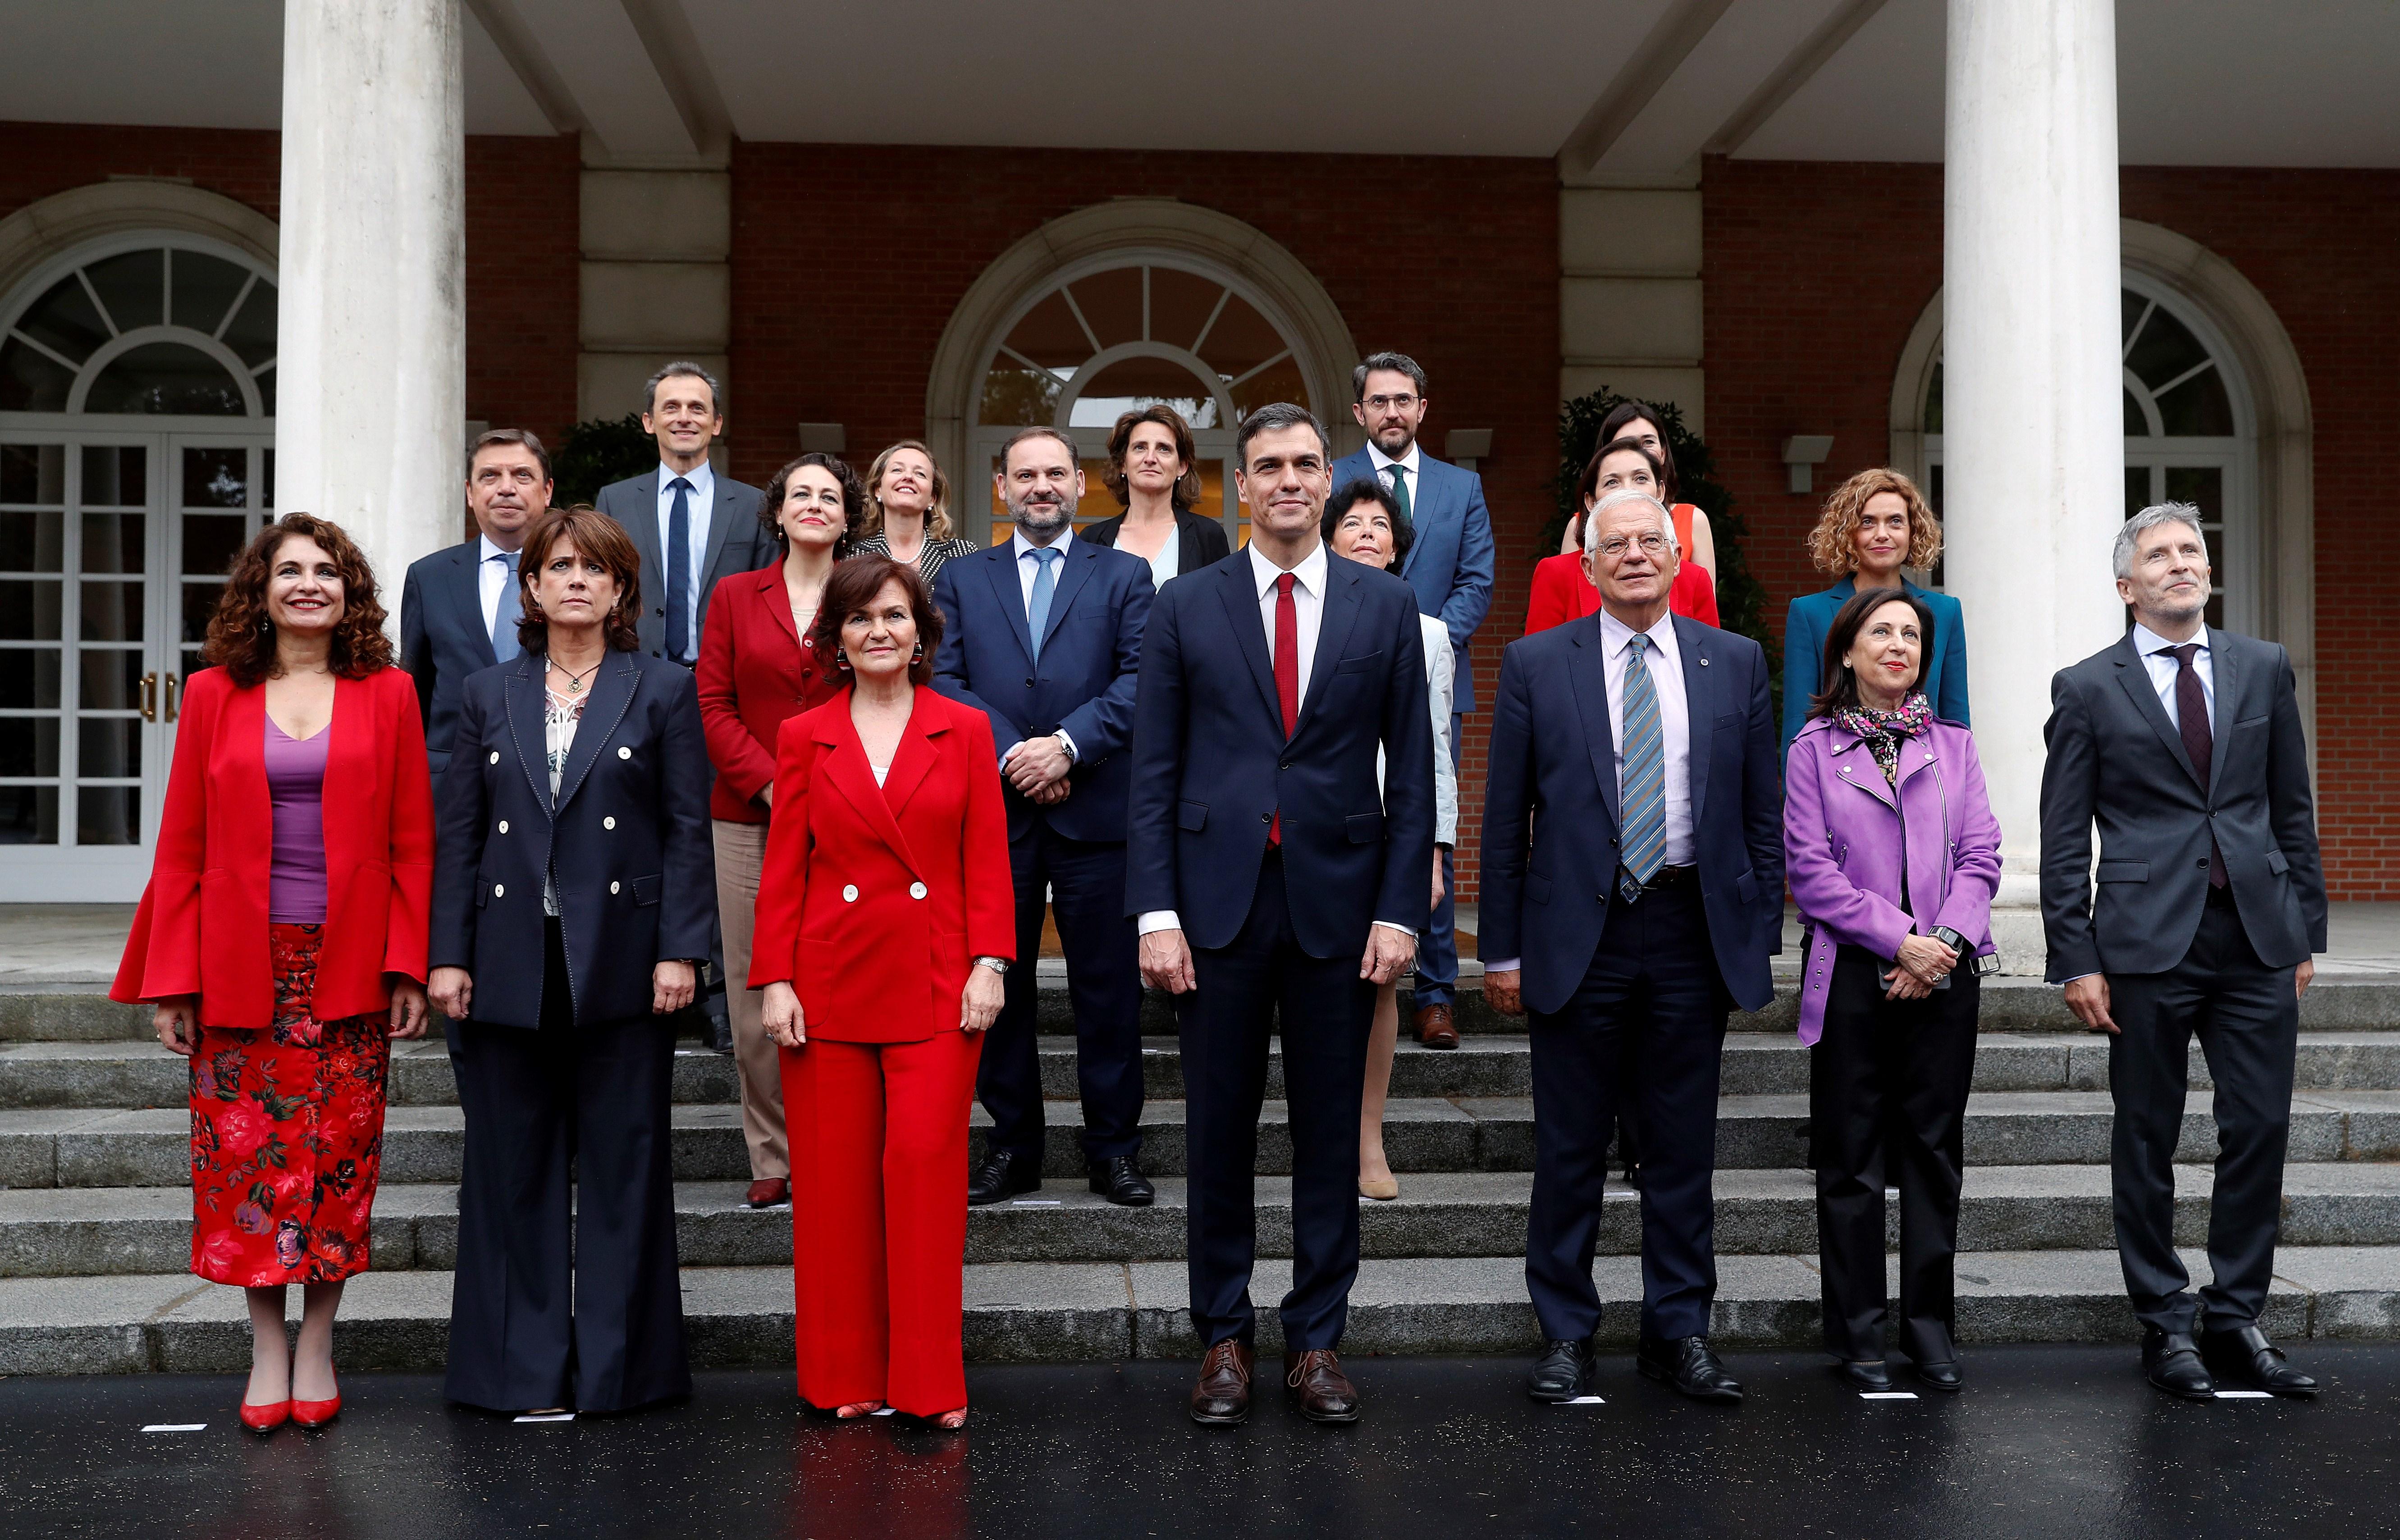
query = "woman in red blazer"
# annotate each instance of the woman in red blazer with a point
(755, 672)
(1564, 592)
(282, 937)
(885, 924)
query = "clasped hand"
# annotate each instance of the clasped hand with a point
(1922, 961)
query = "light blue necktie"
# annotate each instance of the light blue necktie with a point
(511, 606)
(1046, 583)
(1642, 788)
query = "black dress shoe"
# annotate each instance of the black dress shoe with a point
(1686, 1363)
(1865, 1378)
(1558, 1373)
(1942, 1377)
(2171, 1361)
(1002, 1176)
(2245, 1354)
(1118, 1179)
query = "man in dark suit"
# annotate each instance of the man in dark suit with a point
(2183, 742)
(1450, 566)
(458, 608)
(1044, 634)
(1632, 891)
(1273, 881)
(691, 527)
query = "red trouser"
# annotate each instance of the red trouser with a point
(878, 1144)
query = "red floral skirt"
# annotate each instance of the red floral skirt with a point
(287, 1135)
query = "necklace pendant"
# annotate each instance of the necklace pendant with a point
(574, 687)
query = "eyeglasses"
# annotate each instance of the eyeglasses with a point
(1390, 404)
(1653, 546)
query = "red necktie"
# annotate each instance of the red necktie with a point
(1287, 673)
(2199, 740)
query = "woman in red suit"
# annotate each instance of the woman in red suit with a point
(755, 672)
(1563, 591)
(885, 924)
(282, 937)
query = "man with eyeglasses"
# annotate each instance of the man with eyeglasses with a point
(1632, 890)
(1450, 565)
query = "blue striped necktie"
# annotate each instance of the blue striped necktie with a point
(1045, 585)
(1641, 785)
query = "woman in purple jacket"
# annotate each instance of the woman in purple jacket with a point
(1894, 856)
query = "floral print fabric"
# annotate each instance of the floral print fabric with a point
(287, 1135)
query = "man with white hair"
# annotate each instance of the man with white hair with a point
(2182, 743)
(1632, 891)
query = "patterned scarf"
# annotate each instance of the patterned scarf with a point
(1882, 731)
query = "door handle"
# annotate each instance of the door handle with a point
(174, 687)
(149, 697)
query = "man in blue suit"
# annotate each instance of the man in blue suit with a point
(1449, 566)
(1044, 634)
(1274, 881)
(1632, 890)
(458, 608)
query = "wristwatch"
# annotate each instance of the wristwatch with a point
(997, 964)
(1953, 940)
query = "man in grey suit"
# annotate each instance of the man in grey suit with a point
(692, 526)
(458, 608)
(2183, 743)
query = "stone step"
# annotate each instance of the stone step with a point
(68, 1232)
(1021, 1312)
(83, 1147)
(135, 1074)
(2347, 1001)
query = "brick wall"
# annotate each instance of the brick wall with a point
(1816, 272)
(849, 259)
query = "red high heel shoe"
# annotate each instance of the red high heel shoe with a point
(317, 1414)
(267, 1418)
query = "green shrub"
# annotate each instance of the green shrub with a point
(592, 454)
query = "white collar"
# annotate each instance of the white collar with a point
(1616, 635)
(488, 552)
(1022, 548)
(1412, 463)
(2148, 643)
(703, 479)
(1311, 570)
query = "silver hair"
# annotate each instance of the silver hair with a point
(1626, 494)
(684, 369)
(2129, 533)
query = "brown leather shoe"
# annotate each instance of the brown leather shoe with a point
(1325, 1392)
(1434, 1027)
(1222, 1397)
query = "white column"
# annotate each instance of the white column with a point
(371, 348)
(2032, 452)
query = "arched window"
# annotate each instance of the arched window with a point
(137, 399)
(2187, 437)
(1128, 330)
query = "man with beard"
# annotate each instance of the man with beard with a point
(458, 608)
(1044, 634)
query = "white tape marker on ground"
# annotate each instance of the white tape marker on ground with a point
(173, 1428)
(548, 1417)
(1887, 1395)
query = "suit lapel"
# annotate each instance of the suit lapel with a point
(1587, 672)
(522, 690)
(2221, 663)
(612, 692)
(1000, 565)
(720, 525)
(1076, 567)
(847, 768)
(467, 593)
(1241, 601)
(913, 760)
(1427, 507)
(778, 600)
(1337, 615)
(2134, 675)
(1700, 718)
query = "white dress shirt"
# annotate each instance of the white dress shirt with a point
(2163, 669)
(1169, 563)
(1308, 610)
(491, 578)
(702, 497)
(1027, 569)
(1413, 462)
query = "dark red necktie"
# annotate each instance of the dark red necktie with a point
(2191, 722)
(1287, 673)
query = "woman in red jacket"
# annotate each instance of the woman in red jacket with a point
(755, 672)
(282, 937)
(885, 924)
(1563, 591)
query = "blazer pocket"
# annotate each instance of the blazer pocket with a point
(2259, 721)
(1745, 887)
(2275, 861)
(1731, 719)
(1364, 828)
(1360, 665)
(646, 888)
(2124, 871)
(1537, 888)
(1192, 816)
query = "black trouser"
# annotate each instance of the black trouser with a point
(1641, 1039)
(1087, 885)
(1888, 1089)
(1326, 1010)
(2248, 1021)
(565, 1292)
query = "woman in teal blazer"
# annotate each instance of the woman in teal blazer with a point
(1875, 523)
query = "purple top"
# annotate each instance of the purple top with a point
(295, 787)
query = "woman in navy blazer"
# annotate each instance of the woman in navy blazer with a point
(573, 888)
(1874, 524)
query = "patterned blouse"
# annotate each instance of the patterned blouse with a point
(928, 558)
(561, 714)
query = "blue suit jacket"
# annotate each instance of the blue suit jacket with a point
(1212, 766)
(1804, 650)
(1451, 557)
(1550, 809)
(443, 640)
(628, 839)
(1085, 682)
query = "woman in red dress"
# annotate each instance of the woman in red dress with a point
(754, 673)
(885, 924)
(282, 937)
(1563, 591)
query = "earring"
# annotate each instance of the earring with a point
(841, 661)
(917, 656)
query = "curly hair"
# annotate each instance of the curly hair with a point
(1833, 545)
(241, 637)
(853, 500)
(851, 588)
(594, 535)
(937, 513)
(1186, 490)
